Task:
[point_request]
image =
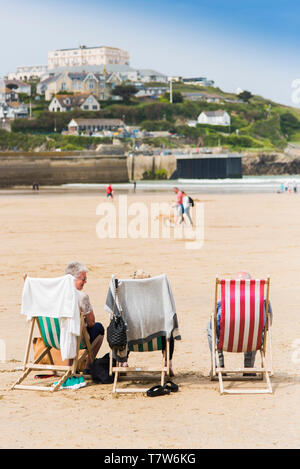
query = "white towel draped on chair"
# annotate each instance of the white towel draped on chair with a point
(55, 298)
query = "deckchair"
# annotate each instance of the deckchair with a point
(49, 329)
(244, 327)
(158, 341)
(151, 346)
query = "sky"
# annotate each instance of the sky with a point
(240, 44)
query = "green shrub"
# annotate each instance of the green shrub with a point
(160, 174)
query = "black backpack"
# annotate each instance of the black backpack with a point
(100, 370)
(191, 201)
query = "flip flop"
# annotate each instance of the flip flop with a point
(171, 386)
(43, 376)
(158, 391)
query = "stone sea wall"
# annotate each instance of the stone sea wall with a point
(106, 165)
(16, 169)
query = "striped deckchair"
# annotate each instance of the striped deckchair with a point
(152, 346)
(49, 329)
(244, 327)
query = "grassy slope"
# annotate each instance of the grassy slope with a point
(254, 125)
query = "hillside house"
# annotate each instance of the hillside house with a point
(94, 126)
(65, 102)
(214, 118)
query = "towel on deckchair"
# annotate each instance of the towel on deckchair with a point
(148, 308)
(55, 298)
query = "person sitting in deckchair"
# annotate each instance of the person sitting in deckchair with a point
(95, 329)
(249, 357)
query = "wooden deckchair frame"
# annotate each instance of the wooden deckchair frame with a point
(265, 371)
(67, 370)
(163, 370)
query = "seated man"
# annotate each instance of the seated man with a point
(249, 357)
(95, 329)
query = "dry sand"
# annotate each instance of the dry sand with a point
(40, 233)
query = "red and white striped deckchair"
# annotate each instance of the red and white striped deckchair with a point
(243, 328)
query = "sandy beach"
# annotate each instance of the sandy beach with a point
(260, 233)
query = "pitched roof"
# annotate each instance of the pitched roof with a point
(100, 122)
(146, 72)
(75, 100)
(16, 82)
(50, 79)
(214, 113)
(95, 68)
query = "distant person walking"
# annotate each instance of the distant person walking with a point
(179, 204)
(134, 186)
(35, 186)
(109, 191)
(294, 186)
(187, 204)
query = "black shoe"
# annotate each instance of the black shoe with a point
(158, 391)
(171, 386)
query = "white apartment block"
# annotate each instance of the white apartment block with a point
(28, 72)
(102, 55)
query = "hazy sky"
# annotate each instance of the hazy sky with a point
(248, 44)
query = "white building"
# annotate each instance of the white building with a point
(84, 55)
(18, 86)
(148, 76)
(84, 101)
(13, 110)
(214, 118)
(79, 126)
(28, 72)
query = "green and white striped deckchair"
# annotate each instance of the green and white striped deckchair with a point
(50, 332)
(152, 346)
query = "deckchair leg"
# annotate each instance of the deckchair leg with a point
(29, 342)
(219, 373)
(266, 373)
(110, 362)
(116, 379)
(162, 379)
(214, 347)
(28, 370)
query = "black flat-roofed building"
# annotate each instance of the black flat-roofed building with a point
(209, 166)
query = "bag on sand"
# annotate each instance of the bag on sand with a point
(100, 370)
(116, 331)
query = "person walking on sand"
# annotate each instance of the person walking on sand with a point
(179, 204)
(109, 191)
(187, 204)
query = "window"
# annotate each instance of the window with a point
(95, 107)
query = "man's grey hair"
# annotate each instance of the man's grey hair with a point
(75, 268)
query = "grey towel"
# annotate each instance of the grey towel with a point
(147, 306)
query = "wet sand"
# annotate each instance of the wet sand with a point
(259, 233)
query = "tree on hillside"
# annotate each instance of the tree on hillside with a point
(289, 123)
(176, 97)
(125, 92)
(245, 96)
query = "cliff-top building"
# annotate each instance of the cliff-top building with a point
(84, 55)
